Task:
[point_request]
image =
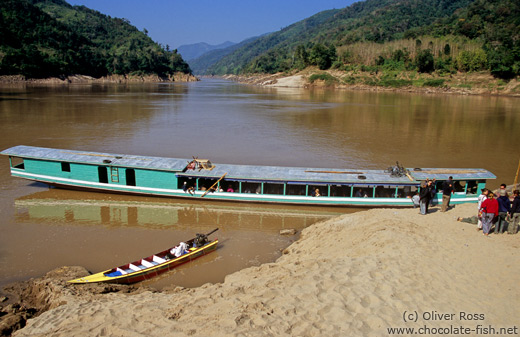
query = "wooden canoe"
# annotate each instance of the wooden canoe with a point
(152, 265)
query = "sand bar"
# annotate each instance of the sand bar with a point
(358, 274)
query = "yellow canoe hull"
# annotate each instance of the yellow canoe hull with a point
(146, 268)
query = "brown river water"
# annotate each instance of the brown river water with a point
(226, 122)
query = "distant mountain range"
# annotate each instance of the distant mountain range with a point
(202, 63)
(192, 51)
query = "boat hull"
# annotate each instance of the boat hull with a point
(460, 198)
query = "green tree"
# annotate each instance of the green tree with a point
(424, 61)
(322, 56)
(472, 60)
(301, 57)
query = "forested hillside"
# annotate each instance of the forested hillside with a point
(44, 38)
(272, 45)
(402, 35)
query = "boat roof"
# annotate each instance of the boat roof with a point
(249, 172)
(97, 158)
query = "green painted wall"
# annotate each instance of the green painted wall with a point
(144, 178)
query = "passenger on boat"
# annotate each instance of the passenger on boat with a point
(179, 250)
(230, 189)
(317, 193)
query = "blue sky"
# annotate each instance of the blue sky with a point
(179, 22)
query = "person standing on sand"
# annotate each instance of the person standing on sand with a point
(504, 207)
(425, 196)
(489, 210)
(503, 187)
(447, 190)
(514, 213)
(481, 198)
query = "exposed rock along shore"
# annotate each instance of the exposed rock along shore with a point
(177, 77)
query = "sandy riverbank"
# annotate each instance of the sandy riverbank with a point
(349, 276)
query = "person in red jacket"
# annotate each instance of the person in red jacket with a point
(489, 210)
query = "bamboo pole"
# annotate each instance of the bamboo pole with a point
(516, 176)
(209, 189)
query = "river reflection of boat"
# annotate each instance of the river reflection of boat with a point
(201, 180)
(56, 206)
(96, 230)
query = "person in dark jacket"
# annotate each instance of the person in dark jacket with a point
(514, 213)
(447, 190)
(425, 196)
(504, 207)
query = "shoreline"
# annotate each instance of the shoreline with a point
(458, 84)
(85, 79)
(356, 274)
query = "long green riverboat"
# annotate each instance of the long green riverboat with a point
(200, 179)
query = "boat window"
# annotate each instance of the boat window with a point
(472, 187)
(459, 186)
(189, 183)
(273, 188)
(340, 190)
(295, 189)
(65, 167)
(363, 191)
(204, 184)
(385, 191)
(17, 162)
(248, 187)
(130, 177)
(407, 191)
(321, 191)
(103, 174)
(229, 186)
